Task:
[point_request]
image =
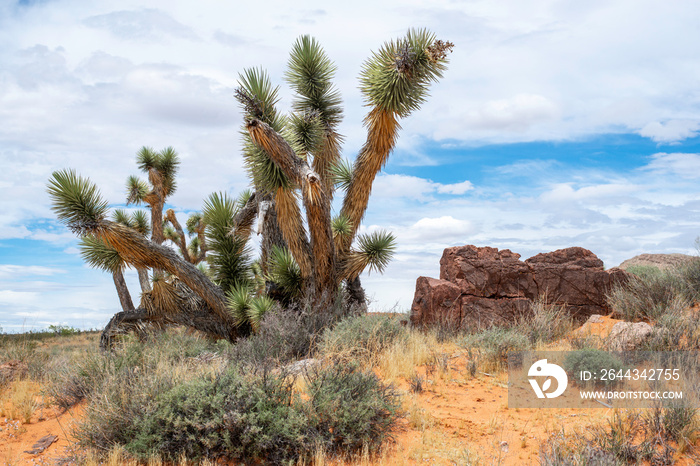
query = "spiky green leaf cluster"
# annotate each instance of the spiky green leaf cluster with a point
(377, 249)
(100, 255)
(247, 309)
(396, 78)
(228, 256)
(123, 217)
(256, 87)
(169, 233)
(305, 132)
(77, 202)
(341, 171)
(284, 271)
(238, 302)
(193, 222)
(136, 190)
(165, 163)
(341, 226)
(243, 198)
(309, 74)
(140, 222)
(194, 247)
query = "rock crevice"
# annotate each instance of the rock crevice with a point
(486, 286)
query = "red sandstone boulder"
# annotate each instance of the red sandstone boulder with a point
(485, 286)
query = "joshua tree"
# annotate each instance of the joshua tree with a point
(289, 158)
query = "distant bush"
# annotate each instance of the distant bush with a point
(650, 292)
(63, 330)
(361, 338)
(592, 360)
(677, 329)
(493, 345)
(287, 335)
(646, 296)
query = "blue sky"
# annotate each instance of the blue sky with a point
(559, 123)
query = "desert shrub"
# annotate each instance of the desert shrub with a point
(74, 380)
(677, 329)
(493, 345)
(645, 297)
(362, 338)
(286, 335)
(351, 409)
(650, 292)
(592, 360)
(154, 400)
(236, 415)
(674, 420)
(25, 352)
(546, 323)
(690, 272)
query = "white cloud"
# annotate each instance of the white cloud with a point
(682, 165)
(670, 131)
(518, 113)
(8, 271)
(416, 188)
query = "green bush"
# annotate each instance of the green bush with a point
(153, 400)
(350, 409)
(361, 338)
(247, 416)
(592, 360)
(494, 344)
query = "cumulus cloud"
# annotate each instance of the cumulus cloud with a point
(518, 113)
(670, 131)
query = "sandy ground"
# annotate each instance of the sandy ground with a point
(456, 419)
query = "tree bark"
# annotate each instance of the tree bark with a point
(123, 291)
(356, 294)
(144, 281)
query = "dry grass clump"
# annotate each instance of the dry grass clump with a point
(656, 436)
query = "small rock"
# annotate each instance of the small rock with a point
(302, 366)
(595, 319)
(626, 336)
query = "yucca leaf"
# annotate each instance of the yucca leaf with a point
(341, 171)
(284, 271)
(310, 73)
(98, 254)
(377, 249)
(146, 159)
(136, 190)
(257, 309)
(194, 222)
(77, 202)
(238, 301)
(121, 216)
(228, 256)
(140, 222)
(396, 78)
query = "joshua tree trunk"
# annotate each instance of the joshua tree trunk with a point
(144, 281)
(123, 291)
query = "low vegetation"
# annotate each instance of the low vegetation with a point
(173, 395)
